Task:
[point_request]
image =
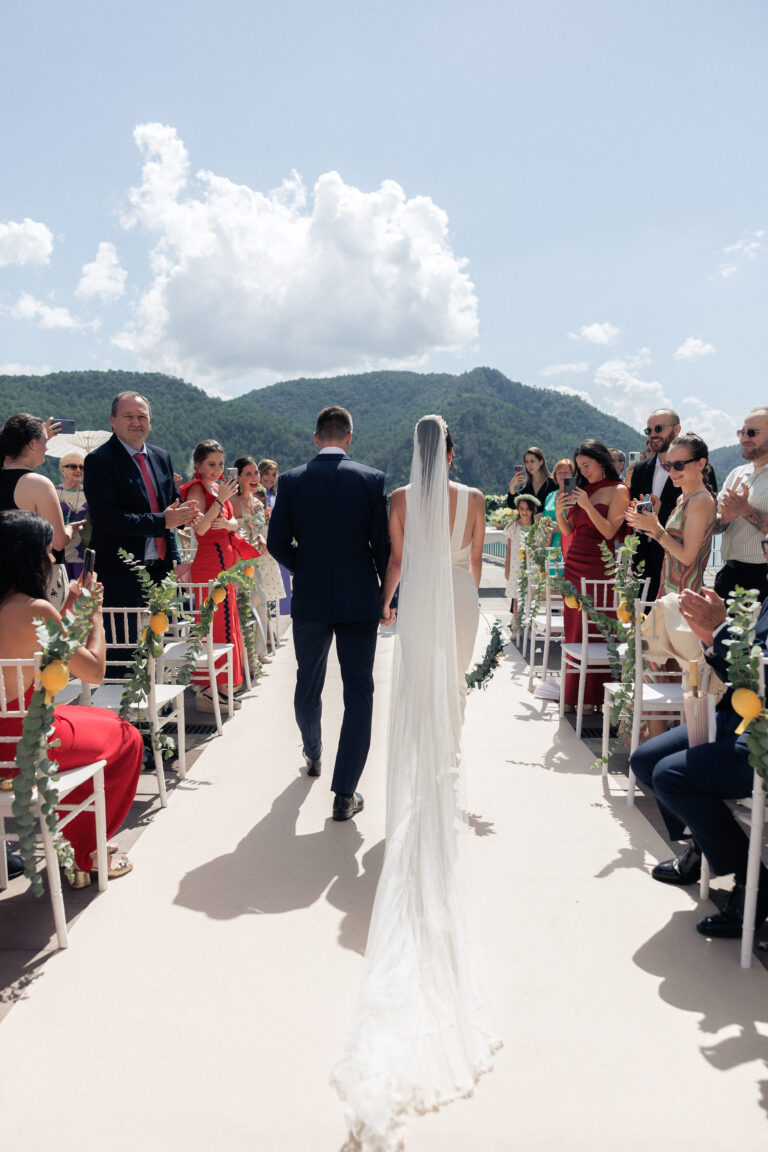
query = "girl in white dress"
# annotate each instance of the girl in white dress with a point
(420, 1035)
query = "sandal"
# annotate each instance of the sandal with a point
(204, 701)
(117, 866)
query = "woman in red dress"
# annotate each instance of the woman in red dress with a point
(592, 514)
(219, 546)
(86, 734)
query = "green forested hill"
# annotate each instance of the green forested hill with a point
(492, 419)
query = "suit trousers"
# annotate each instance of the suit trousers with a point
(691, 784)
(355, 649)
(745, 575)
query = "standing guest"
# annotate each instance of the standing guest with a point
(743, 511)
(592, 514)
(338, 564)
(651, 478)
(82, 735)
(251, 520)
(22, 448)
(218, 547)
(134, 503)
(527, 507)
(563, 470)
(534, 480)
(619, 460)
(687, 537)
(268, 472)
(74, 508)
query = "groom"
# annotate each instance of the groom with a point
(329, 528)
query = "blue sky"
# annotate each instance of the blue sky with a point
(571, 191)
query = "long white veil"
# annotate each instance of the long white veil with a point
(420, 1034)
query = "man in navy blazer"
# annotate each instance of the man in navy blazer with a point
(329, 528)
(133, 502)
(692, 784)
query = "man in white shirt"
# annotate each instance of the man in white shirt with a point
(743, 511)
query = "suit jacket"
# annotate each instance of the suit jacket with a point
(649, 550)
(122, 517)
(329, 528)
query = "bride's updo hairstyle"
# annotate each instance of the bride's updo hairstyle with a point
(433, 442)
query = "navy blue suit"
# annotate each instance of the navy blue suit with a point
(329, 528)
(690, 784)
(122, 516)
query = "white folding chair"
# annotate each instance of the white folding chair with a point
(214, 656)
(548, 624)
(161, 706)
(590, 654)
(663, 699)
(12, 707)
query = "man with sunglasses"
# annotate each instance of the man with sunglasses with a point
(743, 512)
(651, 478)
(691, 784)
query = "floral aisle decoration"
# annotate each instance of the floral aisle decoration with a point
(499, 518)
(481, 674)
(744, 660)
(36, 771)
(536, 554)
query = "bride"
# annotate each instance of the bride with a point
(420, 1036)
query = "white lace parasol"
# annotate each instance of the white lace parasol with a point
(75, 442)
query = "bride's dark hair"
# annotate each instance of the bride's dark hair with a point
(25, 565)
(431, 431)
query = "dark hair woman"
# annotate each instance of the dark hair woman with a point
(534, 479)
(22, 448)
(687, 536)
(593, 513)
(219, 546)
(85, 734)
(269, 473)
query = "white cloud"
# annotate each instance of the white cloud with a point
(627, 396)
(27, 243)
(693, 348)
(25, 369)
(246, 282)
(597, 333)
(743, 250)
(716, 427)
(103, 277)
(561, 369)
(44, 315)
(566, 391)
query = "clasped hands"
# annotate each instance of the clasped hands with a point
(642, 521)
(704, 612)
(733, 503)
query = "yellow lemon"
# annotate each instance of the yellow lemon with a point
(572, 602)
(249, 571)
(623, 612)
(159, 623)
(218, 595)
(746, 704)
(54, 677)
(521, 553)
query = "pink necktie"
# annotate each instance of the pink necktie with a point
(141, 460)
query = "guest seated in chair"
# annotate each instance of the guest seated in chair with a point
(85, 734)
(691, 785)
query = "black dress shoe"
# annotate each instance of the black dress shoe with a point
(730, 922)
(684, 869)
(314, 764)
(344, 807)
(15, 864)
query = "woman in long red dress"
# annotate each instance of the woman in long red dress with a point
(86, 734)
(592, 514)
(219, 546)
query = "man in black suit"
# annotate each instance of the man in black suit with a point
(329, 528)
(133, 503)
(692, 784)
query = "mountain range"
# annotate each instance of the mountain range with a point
(493, 420)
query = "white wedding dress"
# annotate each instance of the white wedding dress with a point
(421, 1032)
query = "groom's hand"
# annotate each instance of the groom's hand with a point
(388, 616)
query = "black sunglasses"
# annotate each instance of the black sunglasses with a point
(657, 428)
(79, 467)
(751, 432)
(677, 465)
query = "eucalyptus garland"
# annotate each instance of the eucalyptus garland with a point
(744, 659)
(57, 642)
(482, 672)
(537, 553)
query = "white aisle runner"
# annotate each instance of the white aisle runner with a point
(204, 999)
